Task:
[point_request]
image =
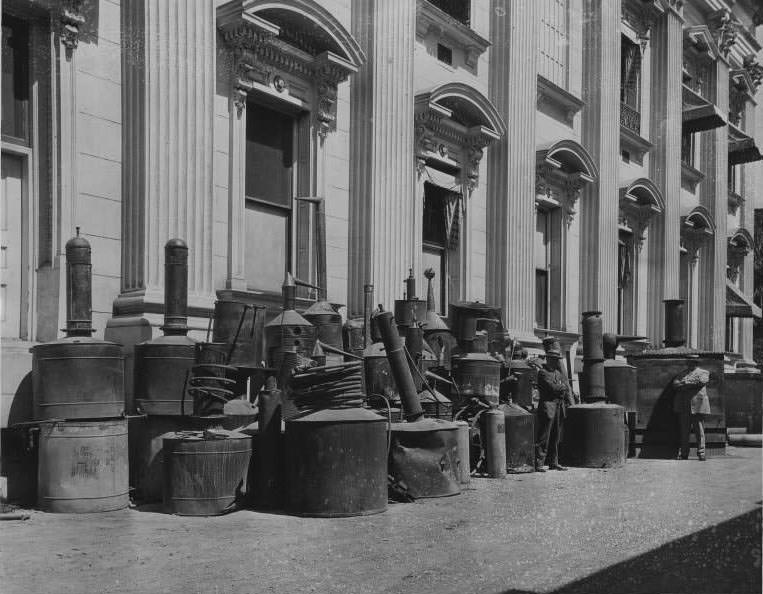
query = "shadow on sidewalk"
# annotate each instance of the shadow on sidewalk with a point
(721, 559)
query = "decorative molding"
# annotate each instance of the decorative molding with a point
(735, 201)
(701, 40)
(553, 99)
(690, 177)
(634, 143)
(71, 20)
(554, 187)
(430, 19)
(640, 16)
(754, 69)
(724, 28)
(639, 202)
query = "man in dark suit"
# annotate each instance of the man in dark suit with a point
(555, 394)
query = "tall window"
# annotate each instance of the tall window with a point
(554, 40)
(458, 9)
(625, 283)
(542, 269)
(15, 118)
(438, 220)
(690, 149)
(269, 182)
(630, 84)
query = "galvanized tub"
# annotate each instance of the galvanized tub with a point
(594, 436)
(656, 432)
(424, 456)
(83, 466)
(162, 369)
(337, 463)
(203, 476)
(78, 378)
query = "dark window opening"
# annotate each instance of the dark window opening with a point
(268, 186)
(541, 298)
(15, 89)
(435, 239)
(630, 85)
(458, 9)
(444, 53)
(688, 149)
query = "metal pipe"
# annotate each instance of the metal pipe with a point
(401, 372)
(320, 243)
(79, 287)
(175, 288)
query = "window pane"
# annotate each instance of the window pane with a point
(434, 258)
(267, 246)
(435, 205)
(269, 155)
(541, 298)
(15, 78)
(540, 251)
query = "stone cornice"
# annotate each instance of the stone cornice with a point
(430, 19)
(551, 95)
(640, 16)
(634, 142)
(690, 177)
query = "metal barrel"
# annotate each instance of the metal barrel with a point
(78, 378)
(410, 311)
(337, 463)
(477, 375)
(464, 464)
(238, 319)
(592, 335)
(520, 438)
(424, 456)
(327, 322)
(594, 436)
(202, 476)
(162, 370)
(621, 384)
(493, 433)
(83, 466)
(675, 331)
(79, 287)
(175, 287)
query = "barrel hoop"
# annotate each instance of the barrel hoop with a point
(174, 453)
(80, 436)
(47, 498)
(79, 402)
(202, 498)
(69, 358)
(145, 358)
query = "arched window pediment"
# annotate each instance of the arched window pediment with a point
(640, 201)
(454, 124)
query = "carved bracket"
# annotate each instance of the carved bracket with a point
(564, 188)
(641, 16)
(71, 19)
(724, 29)
(754, 69)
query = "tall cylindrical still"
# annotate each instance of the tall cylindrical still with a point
(493, 434)
(83, 466)
(464, 457)
(337, 463)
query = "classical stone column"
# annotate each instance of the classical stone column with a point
(711, 329)
(601, 136)
(168, 92)
(382, 180)
(510, 272)
(665, 166)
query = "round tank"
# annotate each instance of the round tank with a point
(202, 476)
(337, 463)
(83, 466)
(493, 437)
(78, 378)
(477, 375)
(594, 436)
(621, 384)
(463, 316)
(464, 467)
(592, 336)
(408, 311)
(236, 316)
(520, 438)
(424, 456)
(162, 368)
(327, 322)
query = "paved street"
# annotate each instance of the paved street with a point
(653, 526)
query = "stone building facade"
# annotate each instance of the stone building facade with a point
(546, 156)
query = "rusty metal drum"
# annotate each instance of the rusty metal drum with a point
(337, 463)
(83, 466)
(477, 375)
(203, 476)
(162, 368)
(78, 378)
(594, 436)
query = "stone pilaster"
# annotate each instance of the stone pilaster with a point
(665, 167)
(601, 136)
(382, 181)
(169, 72)
(510, 273)
(711, 328)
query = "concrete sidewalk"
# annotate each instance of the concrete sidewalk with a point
(652, 526)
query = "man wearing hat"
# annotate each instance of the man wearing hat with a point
(555, 394)
(691, 403)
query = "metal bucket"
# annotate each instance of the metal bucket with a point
(162, 368)
(424, 456)
(337, 463)
(228, 315)
(78, 378)
(202, 476)
(83, 466)
(594, 436)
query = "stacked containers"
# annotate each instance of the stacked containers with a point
(78, 385)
